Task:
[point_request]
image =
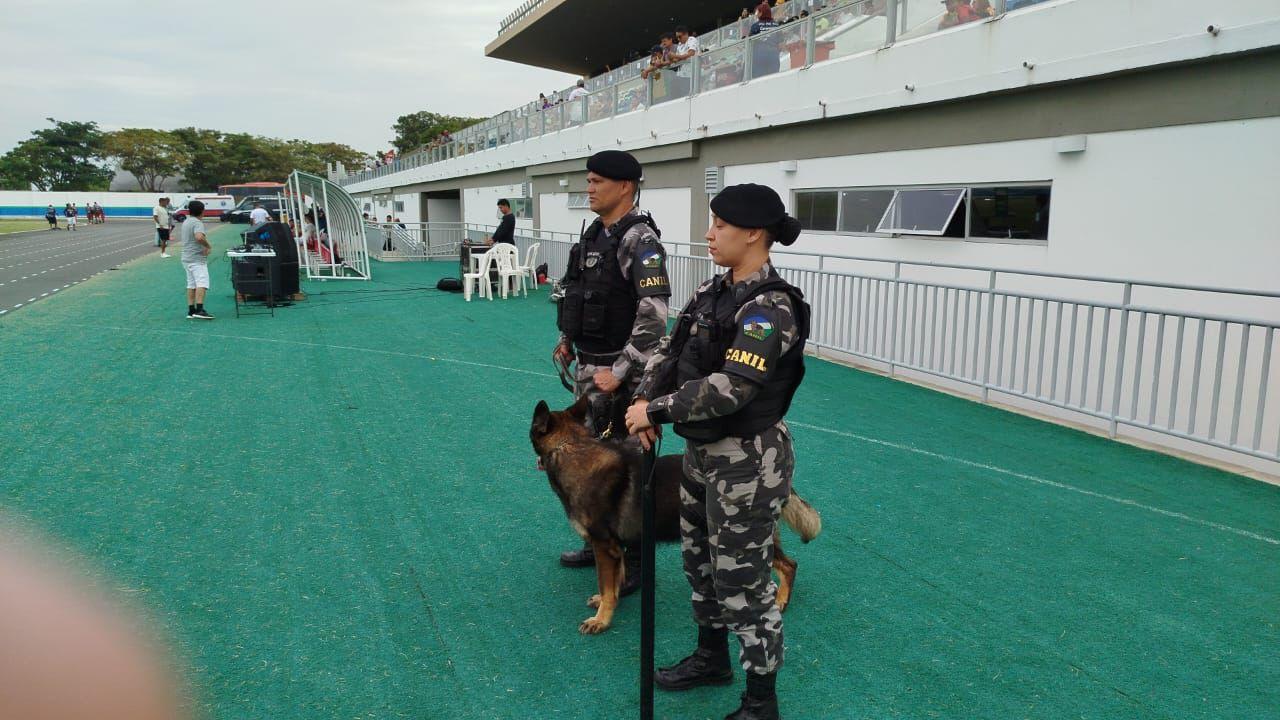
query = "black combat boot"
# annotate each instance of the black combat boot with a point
(584, 557)
(708, 665)
(759, 702)
(631, 579)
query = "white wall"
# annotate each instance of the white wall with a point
(441, 210)
(669, 206)
(480, 205)
(19, 203)
(1191, 204)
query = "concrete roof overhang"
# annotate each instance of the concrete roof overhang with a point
(583, 36)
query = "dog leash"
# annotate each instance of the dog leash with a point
(647, 466)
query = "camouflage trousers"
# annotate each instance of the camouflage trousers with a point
(730, 500)
(599, 401)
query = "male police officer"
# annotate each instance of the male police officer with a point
(726, 377)
(614, 309)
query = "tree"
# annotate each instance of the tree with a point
(417, 129)
(216, 158)
(17, 168)
(63, 157)
(151, 155)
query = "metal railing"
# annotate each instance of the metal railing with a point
(730, 56)
(391, 242)
(1185, 361)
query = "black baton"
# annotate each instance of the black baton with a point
(646, 586)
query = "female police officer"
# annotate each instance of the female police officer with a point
(725, 378)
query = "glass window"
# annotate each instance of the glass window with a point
(1020, 212)
(927, 211)
(522, 207)
(579, 201)
(817, 209)
(861, 210)
(399, 206)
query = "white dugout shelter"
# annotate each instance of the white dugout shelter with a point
(340, 251)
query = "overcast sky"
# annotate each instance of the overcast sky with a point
(318, 70)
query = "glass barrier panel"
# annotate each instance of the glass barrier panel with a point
(673, 83)
(551, 119)
(631, 95)
(765, 52)
(519, 128)
(851, 29)
(723, 67)
(600, 104)
(574, 111)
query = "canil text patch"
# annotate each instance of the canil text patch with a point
(652, 281)
(745, 358)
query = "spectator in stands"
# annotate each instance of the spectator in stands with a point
(958, 12)
(195, 259)
(543, 102)
(51, 215)
(579, 90)
(657, 59)
(983, 9)
(686, 47)
(400, 224)
(163, 217)
(764, 52)
(506, 232)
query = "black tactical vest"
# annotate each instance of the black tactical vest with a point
(598, 310)
(714, 327)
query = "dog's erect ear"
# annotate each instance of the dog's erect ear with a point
(541, 417)
(578, 410)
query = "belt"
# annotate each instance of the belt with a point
(585, 358)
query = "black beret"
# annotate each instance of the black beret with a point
(615, 165)
(749, 206)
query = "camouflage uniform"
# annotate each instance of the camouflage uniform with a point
(735, 487)
(650, 325)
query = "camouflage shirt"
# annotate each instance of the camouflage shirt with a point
(640, 242)
(728, 390)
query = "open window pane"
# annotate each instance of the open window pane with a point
(861, 210)
(921, 212)
(1014, 213)
(816, 210)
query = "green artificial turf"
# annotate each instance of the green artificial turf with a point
(335, 513)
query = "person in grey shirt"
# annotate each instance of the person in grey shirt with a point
(195, 259)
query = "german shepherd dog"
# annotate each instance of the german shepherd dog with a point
(598, 482)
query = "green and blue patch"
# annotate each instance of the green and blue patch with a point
(757, 327)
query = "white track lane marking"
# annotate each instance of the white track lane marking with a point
(1040, 480)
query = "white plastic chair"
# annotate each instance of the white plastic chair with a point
(481, 277)
(507, 257)
(530, 267)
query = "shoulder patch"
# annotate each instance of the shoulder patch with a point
(757, 327)
(651, 259)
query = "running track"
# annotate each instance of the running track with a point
(38, 264)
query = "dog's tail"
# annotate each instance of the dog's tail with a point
(802, 518)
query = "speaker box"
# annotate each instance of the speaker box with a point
(284, 265)
(252, 276)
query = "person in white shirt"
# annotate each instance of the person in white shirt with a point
(160, 213)
(686, 47)
(259, 215)
(578, 91)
